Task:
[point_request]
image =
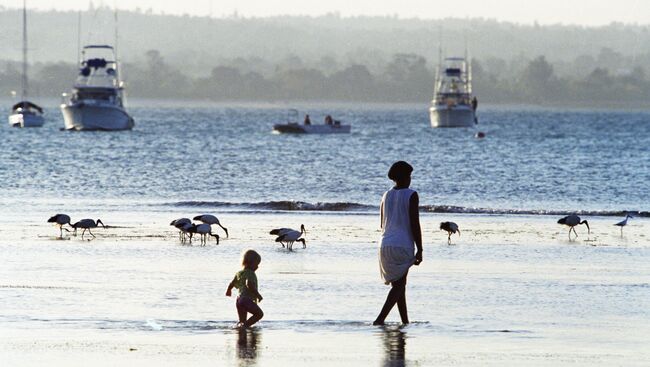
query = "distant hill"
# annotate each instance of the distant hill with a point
(199, 43)
(333, 58)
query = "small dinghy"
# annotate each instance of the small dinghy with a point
(330, 126)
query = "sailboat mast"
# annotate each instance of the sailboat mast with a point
(24, 78)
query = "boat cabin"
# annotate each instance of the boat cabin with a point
(26, 107)
(95, 93)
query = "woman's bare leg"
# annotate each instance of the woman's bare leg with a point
(396, 294)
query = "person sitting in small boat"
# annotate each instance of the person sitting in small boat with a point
(307, 120)
(328, 120)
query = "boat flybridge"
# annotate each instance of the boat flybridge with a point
(453, 104)
(97, 98)
(330, 126)
(25, 113)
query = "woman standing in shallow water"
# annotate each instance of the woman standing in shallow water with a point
(400, 234)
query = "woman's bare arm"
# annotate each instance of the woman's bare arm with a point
(414, 216)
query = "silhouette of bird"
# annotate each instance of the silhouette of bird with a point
(623, 223)
(281, 231)
(572, 221)
(87, 224)
(451, 228)
(210, 219)
(189, 230)
(179, 224)
(60, 220)
(289, 236)
(204, 230)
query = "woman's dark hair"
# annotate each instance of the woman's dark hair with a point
(399, 171)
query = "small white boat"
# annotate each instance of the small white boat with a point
(453, 104)
(330, 126)
(97, 99)
(25, 113)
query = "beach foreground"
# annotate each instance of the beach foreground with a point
(510, 290)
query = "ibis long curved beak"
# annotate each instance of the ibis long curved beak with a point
(587, 224)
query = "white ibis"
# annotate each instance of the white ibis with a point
(451, 228)
(60, 220)
(210, 219)
(623, 223)
(282, 231)
(204, 230)
(179, 224)
(289, 236)
(572, 221)
(87, 224)
(188, 229)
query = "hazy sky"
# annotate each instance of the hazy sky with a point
(585, 12)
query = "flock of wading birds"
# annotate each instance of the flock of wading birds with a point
(285, 236)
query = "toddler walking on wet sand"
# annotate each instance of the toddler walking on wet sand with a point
(246, 282)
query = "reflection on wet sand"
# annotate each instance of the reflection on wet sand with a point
(247, 342)
(394, 346)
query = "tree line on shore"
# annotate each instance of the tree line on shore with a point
(405, 77)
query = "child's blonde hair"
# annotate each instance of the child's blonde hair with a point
(250, 257)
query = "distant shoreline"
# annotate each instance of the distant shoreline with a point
(53, 102)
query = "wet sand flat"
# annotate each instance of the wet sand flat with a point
(512, 289)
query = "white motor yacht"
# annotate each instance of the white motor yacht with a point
(25, 113)
(453, 104)
(97, 98)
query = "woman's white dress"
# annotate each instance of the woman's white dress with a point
(396, 245)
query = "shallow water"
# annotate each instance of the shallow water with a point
(511, 290)
(531, 159)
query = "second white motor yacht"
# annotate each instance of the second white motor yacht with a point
(453, 104)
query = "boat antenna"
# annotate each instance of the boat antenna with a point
(437, 80)
(439, 45)
(79, 36)
(117, 64)
(118, 71)
(24, 78)
(468, 66)
(116, 34)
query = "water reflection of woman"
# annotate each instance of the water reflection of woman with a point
(394, 347)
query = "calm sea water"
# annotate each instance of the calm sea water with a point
(512, 290)
(531, 160)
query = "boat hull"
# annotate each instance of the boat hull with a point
(26, 120)
(458, 116)
(83, 116)
(312, 129)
